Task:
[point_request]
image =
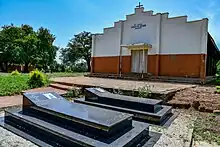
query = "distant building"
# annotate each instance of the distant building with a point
(154, 44)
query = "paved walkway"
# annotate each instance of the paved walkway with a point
(10, 101)
(180, 132)
(156, 87)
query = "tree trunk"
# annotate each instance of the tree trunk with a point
(6, 67)
(2, 67)
(26, 68)
(88, 65)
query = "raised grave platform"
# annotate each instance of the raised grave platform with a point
(47, 119)
(143, 109)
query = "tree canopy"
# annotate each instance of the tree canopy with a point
(23, 45)
(79, 47)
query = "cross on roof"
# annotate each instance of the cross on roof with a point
(139, 5)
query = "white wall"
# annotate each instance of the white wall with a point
(107, 44)
(146, 34)
(166, 35)
(178, 37)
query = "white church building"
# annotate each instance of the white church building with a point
(156, 45)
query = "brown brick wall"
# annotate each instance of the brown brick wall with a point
(105, 64)
(179, 65)
(126, 64)
(151, 65)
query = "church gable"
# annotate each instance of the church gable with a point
(171, 41)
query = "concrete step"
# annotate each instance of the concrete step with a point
(61, 86)
(62, 83)
(148, 78)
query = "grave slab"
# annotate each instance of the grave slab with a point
(95, 119)
(143, 109)
(49, 119)
(102, 96)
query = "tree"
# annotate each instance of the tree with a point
(46, 49)
(23, 45)
(9, 53)
(78, 47)
(27, 47)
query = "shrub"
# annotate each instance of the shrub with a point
(37, 79)
(15, 73)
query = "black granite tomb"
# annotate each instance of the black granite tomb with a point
(149, 110)
(47, 119)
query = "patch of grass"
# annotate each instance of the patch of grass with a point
(207, 127)
(65, 74)
(11, 85)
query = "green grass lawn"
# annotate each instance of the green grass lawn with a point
(11, 85)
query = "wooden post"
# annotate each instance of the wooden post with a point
(120, 62)
(143, 65)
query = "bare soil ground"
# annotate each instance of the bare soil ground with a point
(201, 98)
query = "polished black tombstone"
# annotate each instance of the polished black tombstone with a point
(101, 121)
(101, 96)
(143, 109)
(48, 119)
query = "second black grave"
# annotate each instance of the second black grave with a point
(99, 95)
(143, 109)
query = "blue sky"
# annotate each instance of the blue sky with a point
(68, 17)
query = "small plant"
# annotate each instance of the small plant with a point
(118, 91)
(145, 91)
(217, 89)
(15, 73)
(73, 93)
(37, 79)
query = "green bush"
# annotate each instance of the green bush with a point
(37, 79)
(15, 73)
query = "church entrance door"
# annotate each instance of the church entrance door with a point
(139, 61)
